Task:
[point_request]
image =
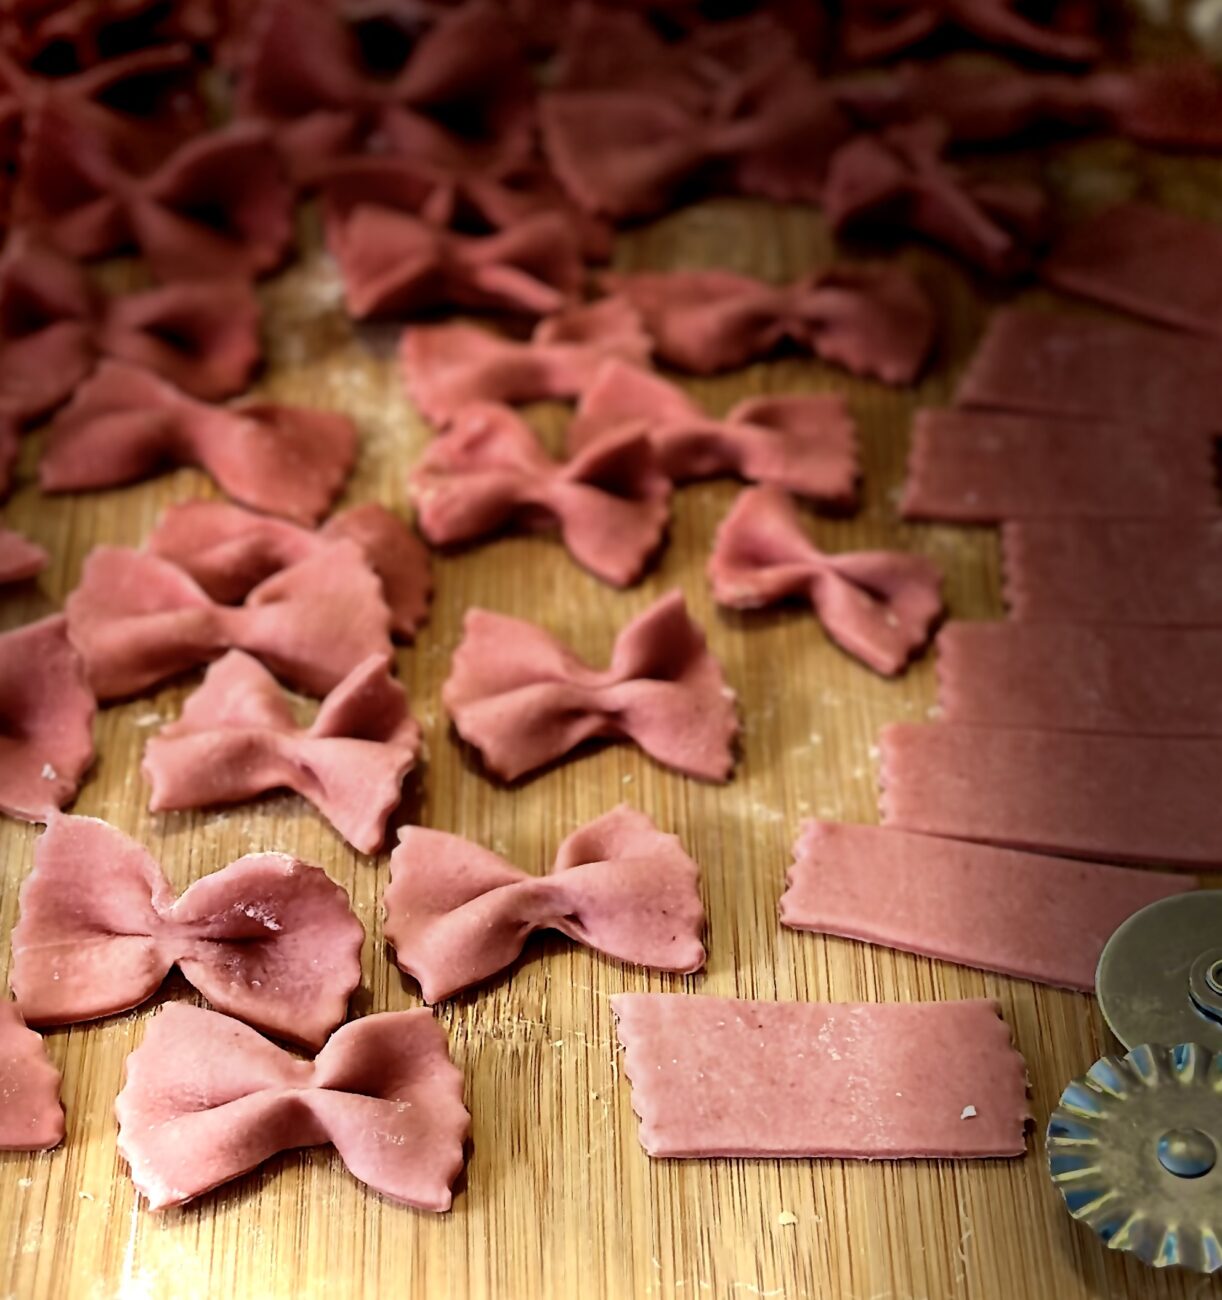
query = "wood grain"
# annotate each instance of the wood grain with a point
(558, 1199)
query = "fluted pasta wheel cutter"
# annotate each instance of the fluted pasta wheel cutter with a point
(1160, 975)
(1135, 1146)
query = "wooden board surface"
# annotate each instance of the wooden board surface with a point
(558, 1198)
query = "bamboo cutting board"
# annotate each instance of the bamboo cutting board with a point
(558, 1199)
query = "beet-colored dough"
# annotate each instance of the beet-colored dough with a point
(54, 327)
(878, 606)
(1082, 677)
(206, 1099)
(1146, 261)
(31, 1117)
(125, 424)
(237, 738)
(610, 502)
(970, 466)
(523, 699)
(897, 180)
(1165, 572)
(216, 208)
(46, 719)
(229, 551)
(1039, 918)
(805, 443)
(136, 620)
(874, 321)
(1124, 798)
(1090, 368)
(395, 264)
(268, 938)
(854, 1080)
(447, 366)
(457, 913)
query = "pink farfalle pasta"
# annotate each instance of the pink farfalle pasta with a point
(396, 264)
(447, 366)
(610, 503)
(874, 321)
(457, 914)
(878, 606)
(879, 29)
(46, 719)
(229, 551)
(54, 327)
(325, 92)
(897, 181)
(31, 1117)
(268, 938)
(20, 558)
(137, 619)
(806, 443)
(205, 1099)
(217, 207)
(142, 100)
(523, 699)
(124, 424)
(631, 153)
(237, 738)
(473, 202)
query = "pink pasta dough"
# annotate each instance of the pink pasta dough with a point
(874, 321)
(229, 551)
(853, 1080)
(268, 938)
(31, 1117)
(523, 699)
(237, 738)
(1022, 914)
(1147, 261)
(124, 424)
(804, 443)
(205, 1100)
(879, 606)
(46, 719)
(610, 502)
(457, 913)
(137, 619)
